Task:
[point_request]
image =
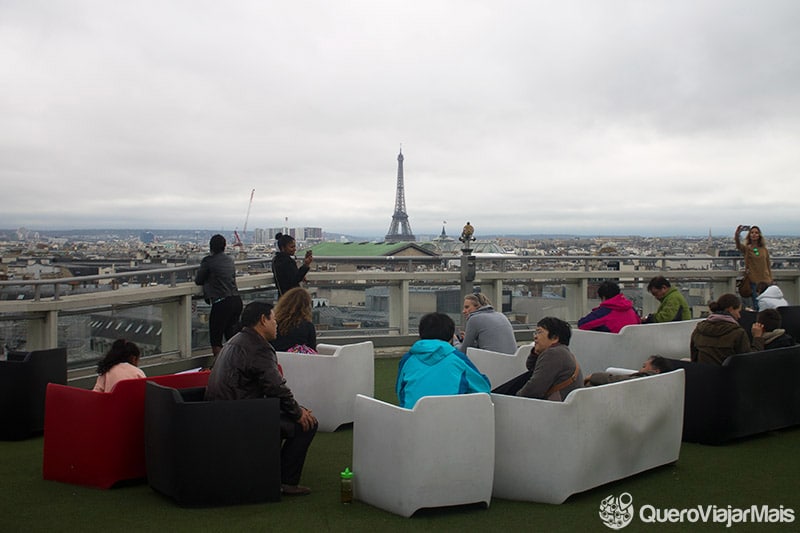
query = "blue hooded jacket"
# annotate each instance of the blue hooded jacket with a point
(436, 368)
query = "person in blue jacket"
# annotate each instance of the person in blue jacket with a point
(434, 367)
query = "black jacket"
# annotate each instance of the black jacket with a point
(287, 275)
(246, 368)
(778, 339)
(302, 333)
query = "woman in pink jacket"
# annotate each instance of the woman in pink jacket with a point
(120, 362)
(614, 312)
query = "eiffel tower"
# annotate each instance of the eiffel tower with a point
(400, 229)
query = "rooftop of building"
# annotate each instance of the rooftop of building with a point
(368, 249)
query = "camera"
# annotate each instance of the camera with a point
(745, 228)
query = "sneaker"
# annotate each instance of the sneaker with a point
(295, 490)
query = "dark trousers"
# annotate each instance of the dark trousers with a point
(224, 319)
(294, 450)
(512, 386)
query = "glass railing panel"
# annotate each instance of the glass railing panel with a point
(89, 334)
(13, 334)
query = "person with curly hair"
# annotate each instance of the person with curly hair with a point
(119, 363)
(296, 332)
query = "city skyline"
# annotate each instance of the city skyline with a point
(654, 118)
(252, 235)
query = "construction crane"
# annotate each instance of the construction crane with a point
(237, 241)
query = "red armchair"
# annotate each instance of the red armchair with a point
(97, 438)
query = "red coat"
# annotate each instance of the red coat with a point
(611, 315)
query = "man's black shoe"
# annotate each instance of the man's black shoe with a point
(295, 490)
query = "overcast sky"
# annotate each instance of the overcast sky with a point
(640, 117)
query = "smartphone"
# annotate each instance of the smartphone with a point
(745, 228)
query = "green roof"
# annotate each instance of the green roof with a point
(365, 249)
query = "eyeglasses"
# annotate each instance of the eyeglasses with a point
(540, 332)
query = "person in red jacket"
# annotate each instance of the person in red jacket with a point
(614, 312)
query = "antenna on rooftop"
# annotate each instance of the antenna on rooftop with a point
(237, 241)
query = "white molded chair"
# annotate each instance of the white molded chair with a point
(546, 451)
(629, 348)
(439, 453)
(500, 367)
(327, 383)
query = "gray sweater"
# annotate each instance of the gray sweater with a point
(488, 330)
(551, 367)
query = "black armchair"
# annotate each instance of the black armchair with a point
(748, 394)
(790, 320)
(23, 387)
(211, 453)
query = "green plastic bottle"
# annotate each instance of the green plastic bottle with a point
(347, 486)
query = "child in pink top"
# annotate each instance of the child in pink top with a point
(121, 362)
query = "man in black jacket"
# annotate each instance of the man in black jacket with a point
(247, 368)
(217, 275)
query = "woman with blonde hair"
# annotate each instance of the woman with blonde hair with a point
(486, 328)
(296, 332)
(756, 258)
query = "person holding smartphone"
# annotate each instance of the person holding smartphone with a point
(756, 258)
(284, 267)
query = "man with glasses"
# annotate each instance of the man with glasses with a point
(553, 372)
(673, 307)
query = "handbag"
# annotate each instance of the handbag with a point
(743, 286)
(301, 348)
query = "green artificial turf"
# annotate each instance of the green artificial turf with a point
(760, 470)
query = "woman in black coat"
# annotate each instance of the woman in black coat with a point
(284, 268)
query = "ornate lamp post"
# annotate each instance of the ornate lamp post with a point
(467, 260)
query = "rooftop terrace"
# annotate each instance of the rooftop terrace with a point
(755, 471)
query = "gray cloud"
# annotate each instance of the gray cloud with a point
(615, 116)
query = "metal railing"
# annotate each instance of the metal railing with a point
(47, 303)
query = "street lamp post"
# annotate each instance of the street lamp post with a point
(467, 261)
